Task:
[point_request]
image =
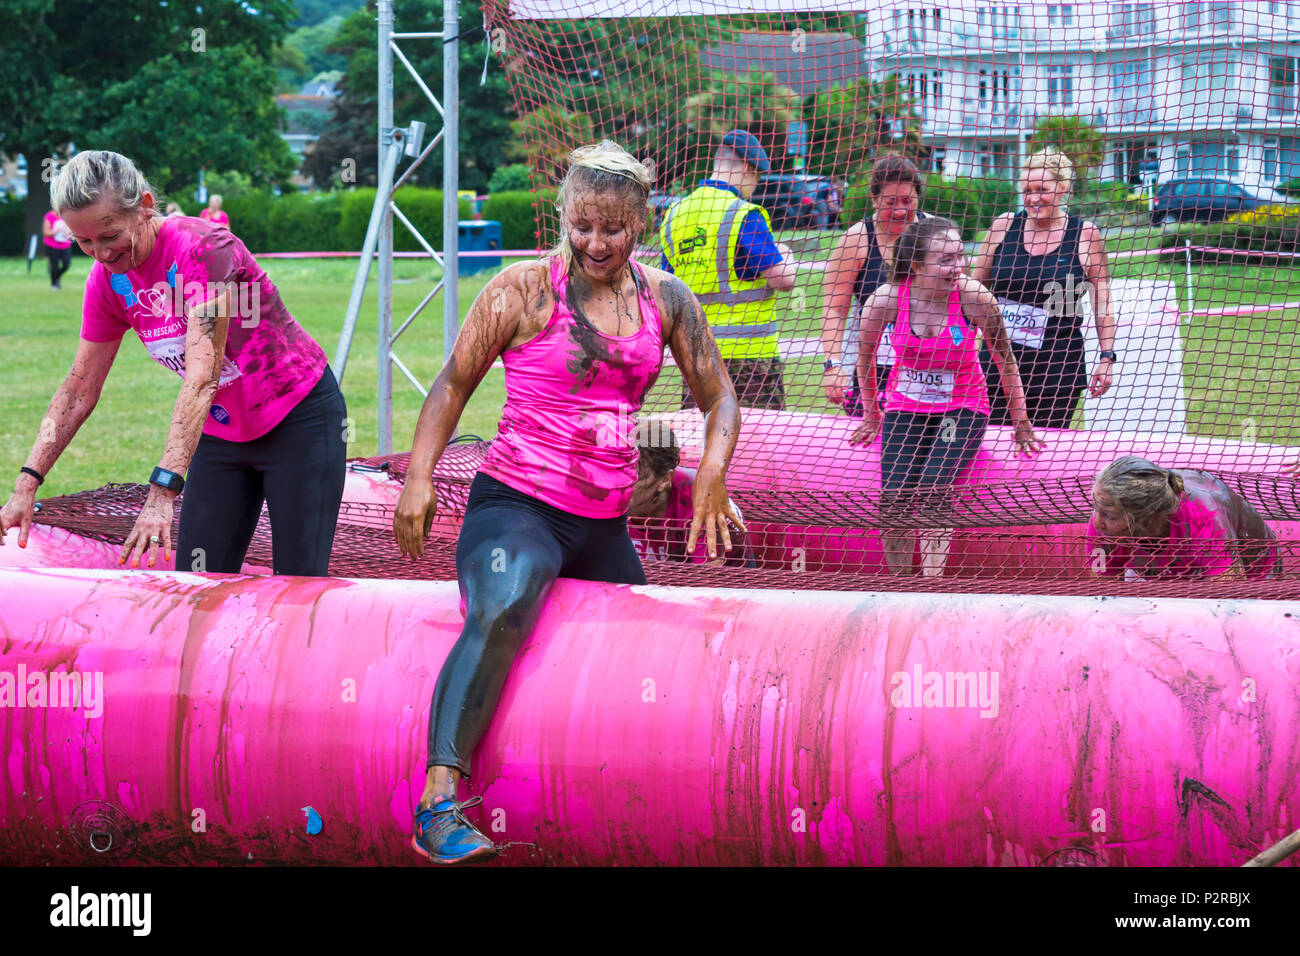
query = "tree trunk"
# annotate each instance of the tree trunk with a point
(38, 196)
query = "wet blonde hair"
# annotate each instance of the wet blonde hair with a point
(1140, 489)
(97, 174)
(605, 167)
(1055, 162)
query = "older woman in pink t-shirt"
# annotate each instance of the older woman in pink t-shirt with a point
(259, 417)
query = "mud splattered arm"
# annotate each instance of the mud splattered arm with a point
(492, 323)
(701, 366)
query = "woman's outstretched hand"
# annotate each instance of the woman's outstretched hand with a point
(713, 511)
(413, 517)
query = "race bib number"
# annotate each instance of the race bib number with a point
(885, 354)
(170, 353)
(1026, 324)
(926, 388)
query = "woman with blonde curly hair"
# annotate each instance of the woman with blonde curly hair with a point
(581, 333)
(1039, 263)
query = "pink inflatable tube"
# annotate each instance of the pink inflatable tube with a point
(645, 725)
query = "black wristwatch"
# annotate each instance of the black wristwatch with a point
(1108, 354)
(167, 479)
(830, 364)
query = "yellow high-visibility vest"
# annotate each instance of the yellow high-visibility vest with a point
(699, 238)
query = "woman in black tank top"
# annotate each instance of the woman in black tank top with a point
(1040, 263)
(858, 266)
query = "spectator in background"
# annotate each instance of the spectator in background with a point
(174, 209)
(663, 500)
(1039, 262)
(58, 246)
(213, 213)
(859, 266)
(720, 244)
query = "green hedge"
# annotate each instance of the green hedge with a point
(971, 203)
(321, 222)
(515, 212)
(1278, 236)
(13, 214)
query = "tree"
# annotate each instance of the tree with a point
(848, 124)
(231, 120)
(352, 132)
(755, 102)
(59, 60)
(1076, 138)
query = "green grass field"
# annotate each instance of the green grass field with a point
(1237, 369)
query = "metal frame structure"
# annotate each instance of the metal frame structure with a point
(393, 143)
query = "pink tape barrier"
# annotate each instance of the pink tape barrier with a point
(647, 725)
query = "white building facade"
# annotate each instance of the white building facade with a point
(1204, 89)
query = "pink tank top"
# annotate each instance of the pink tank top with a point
(935, 374)
(568, 430)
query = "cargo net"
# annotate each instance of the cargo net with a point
(1169, 239)
(839, 547)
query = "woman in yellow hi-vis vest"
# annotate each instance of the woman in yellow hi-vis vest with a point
(720, 244)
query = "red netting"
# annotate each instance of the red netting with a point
(1174, 248)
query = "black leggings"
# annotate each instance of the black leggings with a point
(920, 455)
(511, 548)
(298, 468)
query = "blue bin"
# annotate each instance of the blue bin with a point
(479, 235)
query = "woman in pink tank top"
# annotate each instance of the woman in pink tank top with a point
(936, 400)
(581, 334)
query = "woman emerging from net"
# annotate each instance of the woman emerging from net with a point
(1152, 522)
(936, 401)
(581, 334)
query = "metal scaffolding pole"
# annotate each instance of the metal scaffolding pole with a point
(393, 143)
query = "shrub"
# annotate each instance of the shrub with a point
(13, 226)
(518, 216)
(422, 206)
(513, 178)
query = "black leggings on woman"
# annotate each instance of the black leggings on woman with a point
(298, 468)
(921, 454)
(511, 548)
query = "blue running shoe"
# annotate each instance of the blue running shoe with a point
(443, 835)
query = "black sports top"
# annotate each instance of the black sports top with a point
(1033, 280)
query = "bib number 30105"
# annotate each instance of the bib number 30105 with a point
(926, 387)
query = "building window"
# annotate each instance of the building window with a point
(1191, 17)
(1212, 159)
(1060, 15)
(926, 90)
(1268, 164)
(1208, 84)
(1220, 16)
(1282, 85)
(1288, 158)
(995, 91)
(1133, 19)
(1060, 86)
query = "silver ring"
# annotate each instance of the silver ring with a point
(155, 539)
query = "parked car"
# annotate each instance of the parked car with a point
(1207, 200)
(798, 201)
